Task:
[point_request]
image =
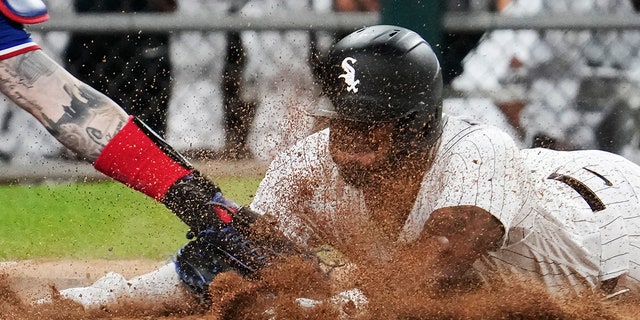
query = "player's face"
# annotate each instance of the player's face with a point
(360, 150)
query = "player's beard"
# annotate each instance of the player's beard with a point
(360, 177)
(356, 177)
(362, 152)
(402, 160)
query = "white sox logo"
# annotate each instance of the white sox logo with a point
(350, 74)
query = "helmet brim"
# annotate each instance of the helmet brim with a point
(359, 110)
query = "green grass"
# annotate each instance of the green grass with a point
(104, 220)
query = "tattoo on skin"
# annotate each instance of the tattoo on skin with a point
(32, 67)
(18, 75)
(84, 120)
(83, 125)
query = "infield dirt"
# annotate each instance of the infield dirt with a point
(400, 290)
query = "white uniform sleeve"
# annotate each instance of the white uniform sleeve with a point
(288, 184)
(480, 166)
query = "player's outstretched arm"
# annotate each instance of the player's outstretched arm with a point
(92, 125)
(125, 149)
(464, 234)
(77, 115)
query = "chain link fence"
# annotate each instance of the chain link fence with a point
(569, 83)
(561, 72)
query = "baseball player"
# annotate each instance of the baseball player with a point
(566, 219)
(392, 169)
(118, 145)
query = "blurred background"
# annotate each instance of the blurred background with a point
(230, 79)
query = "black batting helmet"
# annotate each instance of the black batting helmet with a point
(380, 74)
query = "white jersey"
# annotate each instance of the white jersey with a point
(582, 224)
(553, 234)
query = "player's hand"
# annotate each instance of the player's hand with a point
(244, 240)
(235, 246)
(448, 276)
(470, 233)
(217, 227)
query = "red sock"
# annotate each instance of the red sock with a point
(134, 159)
